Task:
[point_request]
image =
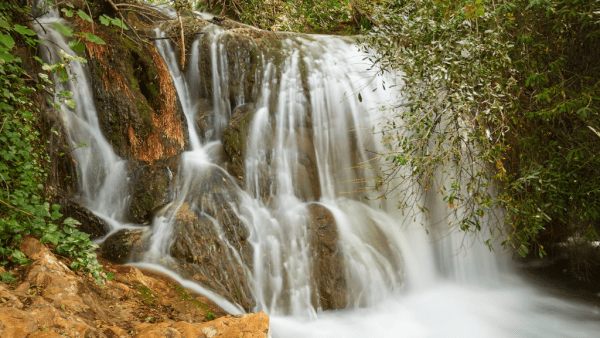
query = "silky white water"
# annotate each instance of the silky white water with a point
(102, 174)
(439, 285)
(401, 282)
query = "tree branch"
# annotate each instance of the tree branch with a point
(18, 209)
(363, 13)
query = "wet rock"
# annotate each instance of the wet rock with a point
(235, 139)
(243, 58)
(209, 240)
(90, 223)
(124, 245)
(137, 104)
(329, 277)
(204, 119)
(307, 181)
(150, 191)
(213, 250)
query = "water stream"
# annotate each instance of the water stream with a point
(307, 118)
(102, 174)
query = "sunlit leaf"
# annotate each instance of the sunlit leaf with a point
(93, 38)
(66, 31)
(84, 16)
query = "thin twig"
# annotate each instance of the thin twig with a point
(89, 10)
(18, 209)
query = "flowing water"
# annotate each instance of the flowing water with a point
(102, 174)
(307, 118)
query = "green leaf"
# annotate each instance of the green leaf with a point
(71, 221)
(19, 257)
(119, 23)
(7, 57)
(52, 237)
(77, 46)
(84, 16)
(24, 30)
(110, 276)
(8, 278)
(7, 41)
(70, 103)
(67, 12)
(93, 38)
(105, 20)
(4, 24)
(66, 31)
(359, 97)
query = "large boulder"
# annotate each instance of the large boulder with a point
(150, 191)
(91, 224)
(138, 108)
(211, 247)
(329, 275)
(125, 245)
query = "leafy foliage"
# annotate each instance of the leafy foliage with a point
(23, 209)
(288, 15)
(503, 92)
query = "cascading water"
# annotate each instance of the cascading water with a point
(102, 174)
(400, 281)
(303, 168)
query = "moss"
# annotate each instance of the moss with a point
(147, 296)
(185, 296)
(115, 140)
(145, 112)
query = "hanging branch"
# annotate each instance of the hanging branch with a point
(182, 41)
(180, 6)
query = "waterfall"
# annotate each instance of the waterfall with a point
(307, 143)
(102, 174)
(400, 281)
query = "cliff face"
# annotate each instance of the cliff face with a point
(231, 74)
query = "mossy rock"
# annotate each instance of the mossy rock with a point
(150, 191)
(91, 224)
(235, 139)
(208, 254)
(124, 246)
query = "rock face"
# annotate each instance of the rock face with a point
(210, 241)
(50, 300)
(63, 171)
(137, 104)
(140, 114)
(90, 223)
(235, 139)
(329, 276)
(150, 191)
(124, 245)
